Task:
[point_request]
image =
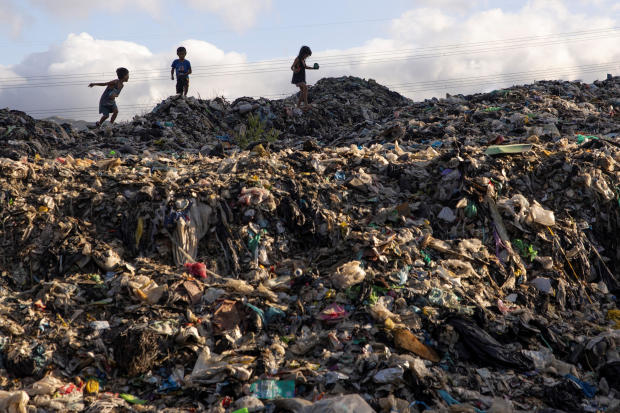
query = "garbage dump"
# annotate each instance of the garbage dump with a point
(372, 254)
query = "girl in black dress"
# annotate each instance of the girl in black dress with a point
(299, 76)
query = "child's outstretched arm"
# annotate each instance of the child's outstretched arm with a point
(110, 83)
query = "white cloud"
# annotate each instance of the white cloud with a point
(81, 8)
(81, 59)
(450, 5)
(388, 60)
(240, 14)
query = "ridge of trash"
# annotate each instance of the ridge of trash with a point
(371, 254)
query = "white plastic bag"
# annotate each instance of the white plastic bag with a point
(13, 402)
(348, 275)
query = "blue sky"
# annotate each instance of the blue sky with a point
(73, 36)
(278, 31)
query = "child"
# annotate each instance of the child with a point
(299, 76)
(183, 69)
(107, 103)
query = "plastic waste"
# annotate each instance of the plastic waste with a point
(92, 386)
(508, 149)
(273, 389)
(348, 275)
(198, 269)
(446, 214)
(588, 389)
(406, 340)
(46, 386)
(131, 399)
(333, 312)
(14, 402)
(390, 375)
(543, 284)
(352, 403)
(448, 299)
(487, 349)
(471, 210)
(542, 216)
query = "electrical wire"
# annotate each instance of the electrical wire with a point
(411, 87)
(335, 61)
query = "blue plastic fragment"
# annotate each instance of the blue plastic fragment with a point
(447, 398)
(169, 385)
(419, 403)
(452, 401)
(588, 390)
(274, 313)
(258, 311)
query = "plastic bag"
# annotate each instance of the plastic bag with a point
(352, 403)
(542, 216)
(191, 227)
(47, 385)
(348, 275)
(333, 312)
(388, 375)
(487, 349)
(13, 402)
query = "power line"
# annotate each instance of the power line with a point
(413, 87)
(241, 72)
(255, 29)
(270, 66)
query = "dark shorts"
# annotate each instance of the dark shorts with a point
(297, 79)
(105, 108)
(182, 82)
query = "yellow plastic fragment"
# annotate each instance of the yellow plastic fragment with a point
(614, 315)
(92, 386)
(139, 231)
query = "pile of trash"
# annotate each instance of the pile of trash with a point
(343, 106)
(371, 254)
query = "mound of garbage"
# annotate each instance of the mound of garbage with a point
(370, 254)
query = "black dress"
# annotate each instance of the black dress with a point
(300, 76)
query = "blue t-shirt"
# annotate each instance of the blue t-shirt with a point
(182, 67)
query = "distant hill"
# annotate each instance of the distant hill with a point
(77, 124)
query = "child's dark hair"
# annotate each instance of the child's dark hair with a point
(121, 72)
(181, 50)
(304, 52)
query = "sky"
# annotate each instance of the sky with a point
(53, 49)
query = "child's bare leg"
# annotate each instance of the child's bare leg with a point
(114, 115)
(301, 96)
(185, 89)
(306, 95)
(103, 119)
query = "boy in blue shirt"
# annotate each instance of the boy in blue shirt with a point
(183, 69)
